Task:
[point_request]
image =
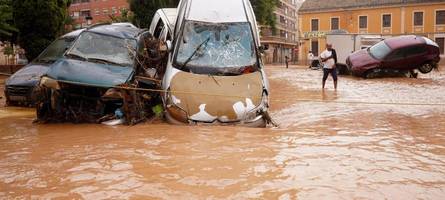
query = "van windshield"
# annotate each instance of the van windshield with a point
(104, 48)
(209, 47)
(55, 50)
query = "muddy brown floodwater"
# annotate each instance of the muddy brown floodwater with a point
(372, 139)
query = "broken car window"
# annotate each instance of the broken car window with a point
(380, 50)
(209, 45)
(55, 50)
(98, 47)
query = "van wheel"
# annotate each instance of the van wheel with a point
(372, 73)
(426, 68)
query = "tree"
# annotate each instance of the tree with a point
(264, 12)
(6, 27)
(39, 22)
(144, 10)
(125, 16)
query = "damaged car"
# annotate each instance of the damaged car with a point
(215, 73)
(395, 55)
(101, 79)
(19, 88)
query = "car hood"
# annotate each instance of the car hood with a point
(362, 58)
(28, 75)
(224, 98)
(90, 73)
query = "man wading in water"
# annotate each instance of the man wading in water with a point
(329, 59)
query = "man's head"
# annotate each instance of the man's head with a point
(329, 47)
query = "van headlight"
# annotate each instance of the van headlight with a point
(257, 112)
(175, 111)
(49, 83)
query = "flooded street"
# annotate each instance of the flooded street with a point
(371, 139)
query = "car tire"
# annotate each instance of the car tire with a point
(426, 68)
(372, 73)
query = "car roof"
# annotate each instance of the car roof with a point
(404, 41)
(126, 31)
(73, 34)
(217, 11)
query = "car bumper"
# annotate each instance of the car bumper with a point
(258, 122)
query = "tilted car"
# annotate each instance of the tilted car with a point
(402, 53)
(19, 88)
(214, 73)
(82, 86)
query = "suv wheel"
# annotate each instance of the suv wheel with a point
(426, 68)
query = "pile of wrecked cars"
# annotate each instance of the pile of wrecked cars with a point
(198, 64)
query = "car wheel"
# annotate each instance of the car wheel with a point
(372, 73)
(43, 105)
(426, 68)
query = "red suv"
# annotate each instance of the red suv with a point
(402, 53)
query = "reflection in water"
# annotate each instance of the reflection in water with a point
(322, 149)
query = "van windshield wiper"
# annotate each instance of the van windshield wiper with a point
(101, 60)
(194, 52)
(76, 56)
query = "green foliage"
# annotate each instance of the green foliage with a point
(125, 16)
(39, 22)
(6, 27)
(143, 10)
(264, 12)
(8, 50)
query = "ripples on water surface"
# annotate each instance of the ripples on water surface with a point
(322, 150)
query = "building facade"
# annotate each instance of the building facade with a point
(284, 41)
(87, 12)
(382, 17)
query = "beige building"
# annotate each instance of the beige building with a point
(284, 42)
(381, 17)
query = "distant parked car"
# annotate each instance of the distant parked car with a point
(403, 53)
(20, 86)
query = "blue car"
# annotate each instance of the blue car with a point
(82, 86)
(19, 88)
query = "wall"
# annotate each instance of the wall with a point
(402, 23)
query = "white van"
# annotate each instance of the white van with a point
(214, 73)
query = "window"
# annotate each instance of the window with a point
(380, 50)
(363, 22)
(440, 17)
(418, 18)
(105, 11)
(158, 28)
(441, 43)
(414, 51)
(386, 20)
(85, 13)
(314, 25)
(335, 23)
(396, 55)
(314, 47)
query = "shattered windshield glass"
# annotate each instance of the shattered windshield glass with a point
(209, 45)
(380, 50)
(102, 48)
(55, 50)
